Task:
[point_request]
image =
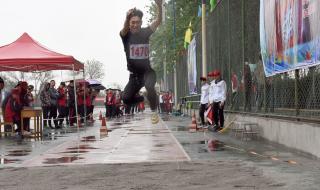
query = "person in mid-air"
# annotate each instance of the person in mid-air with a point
(136, 45)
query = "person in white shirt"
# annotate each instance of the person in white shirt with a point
(160, 102)
(204, 100)
(217, 98)
(2, 92)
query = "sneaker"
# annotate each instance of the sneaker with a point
(154, 118)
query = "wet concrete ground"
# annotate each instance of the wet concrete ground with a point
(129, 140)
(160, 155)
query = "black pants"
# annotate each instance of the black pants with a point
(26, 124)
(72, 114)
(202, 109)
(45, 111)
(53, 115)
(218, 114)
(81, 112)
(109, 111)
(136, 82)
(62, 113)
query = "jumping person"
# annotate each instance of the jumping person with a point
(136, 45)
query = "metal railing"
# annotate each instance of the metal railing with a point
(233, 46)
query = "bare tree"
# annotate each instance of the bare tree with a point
(17, 76)
(36, 78)
(8, 82)
(94, 69)
(40, 78)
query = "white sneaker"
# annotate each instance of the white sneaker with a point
(154, 118)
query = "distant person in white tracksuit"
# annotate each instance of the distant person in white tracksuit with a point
(204, 100)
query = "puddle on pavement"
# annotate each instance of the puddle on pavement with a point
(90, 139)
(203, 150)
(120, 123)
(193, 142)
(215, 145)
(162, 145)
(165, 119)
(62, 160)
(82, 147)
(75, 152)
(15, 153)
(212, 145)
(4, 161)
(180, 128)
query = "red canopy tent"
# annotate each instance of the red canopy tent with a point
(25, 54)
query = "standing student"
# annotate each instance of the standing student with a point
(204, 100)
(217, 98)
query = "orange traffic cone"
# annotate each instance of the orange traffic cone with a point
(103, 128)
(100, 116)
(193, 127)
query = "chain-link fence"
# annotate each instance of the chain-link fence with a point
(233, 46)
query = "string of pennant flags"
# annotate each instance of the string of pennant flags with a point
(188, 33)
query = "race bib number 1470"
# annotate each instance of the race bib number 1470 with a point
(139, 51)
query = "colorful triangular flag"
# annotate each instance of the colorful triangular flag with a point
(188, 36)
(213, 4)
(200, 11)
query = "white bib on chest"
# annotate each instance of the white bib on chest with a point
(139, 51)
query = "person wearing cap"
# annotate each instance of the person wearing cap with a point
(204, 100)
(217, 98)
(62, 103)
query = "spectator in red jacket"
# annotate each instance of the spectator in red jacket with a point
(110, 103)
(12, 107)
(62, 103)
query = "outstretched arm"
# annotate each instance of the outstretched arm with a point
(125, 28)
(154, 25)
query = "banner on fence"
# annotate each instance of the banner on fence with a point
(289, 34)
(192, 67)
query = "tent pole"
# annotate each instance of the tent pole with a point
(84, 98)
(75, 97)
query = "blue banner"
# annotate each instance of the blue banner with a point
(289, 35)
(192, 67)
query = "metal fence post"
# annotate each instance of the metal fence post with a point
(243, 53)
(296, 92)
(204, 39)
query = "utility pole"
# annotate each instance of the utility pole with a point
(204, 40)
(165, 80)
(175, 62)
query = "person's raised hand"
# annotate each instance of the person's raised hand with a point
(130, 11)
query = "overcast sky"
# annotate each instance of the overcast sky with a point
(86, 29)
